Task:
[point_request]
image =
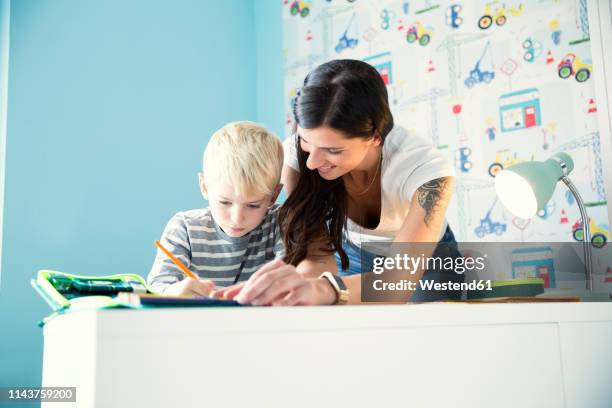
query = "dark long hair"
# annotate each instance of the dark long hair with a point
(351, 97)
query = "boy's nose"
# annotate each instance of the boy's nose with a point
(237, 215)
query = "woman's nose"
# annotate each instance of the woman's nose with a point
(314, 159)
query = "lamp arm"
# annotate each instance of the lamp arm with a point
(588, 265)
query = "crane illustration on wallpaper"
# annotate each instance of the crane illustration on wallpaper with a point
(325, 18)
(464, 188)
(432, 97)
(345, 42)
(591, 141)
(582, 21)
(452, 45)
(488, 226)
(477, 75)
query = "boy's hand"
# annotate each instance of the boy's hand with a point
(190, 287)
(229, 292)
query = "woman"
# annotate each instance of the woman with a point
(352, 176)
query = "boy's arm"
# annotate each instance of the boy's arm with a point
(175, 239)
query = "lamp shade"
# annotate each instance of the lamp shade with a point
(526, 187)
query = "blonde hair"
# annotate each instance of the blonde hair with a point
(245, 155)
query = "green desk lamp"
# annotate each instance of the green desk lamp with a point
(525, 188)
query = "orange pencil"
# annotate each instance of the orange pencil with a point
(176, 261)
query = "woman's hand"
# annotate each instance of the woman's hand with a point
(190, 287)
(279, 284)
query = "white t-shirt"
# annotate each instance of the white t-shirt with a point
(408, 162)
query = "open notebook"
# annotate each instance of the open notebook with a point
(65, 292)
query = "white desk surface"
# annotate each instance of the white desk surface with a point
(548, 354)
(248, 319)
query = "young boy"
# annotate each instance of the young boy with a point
(238, 232)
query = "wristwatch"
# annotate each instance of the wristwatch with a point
(336, 282)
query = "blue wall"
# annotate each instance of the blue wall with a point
(110, 106)
(269, 45)
(5, 11)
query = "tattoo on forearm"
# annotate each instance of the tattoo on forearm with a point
(429, 194)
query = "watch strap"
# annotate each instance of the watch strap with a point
(339, 287)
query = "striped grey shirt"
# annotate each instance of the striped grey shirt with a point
(197, 241)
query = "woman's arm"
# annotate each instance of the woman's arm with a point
(427, 211)
(422, 225)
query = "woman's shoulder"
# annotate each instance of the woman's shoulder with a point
(411, 160)
(407, 147)
(401, 139)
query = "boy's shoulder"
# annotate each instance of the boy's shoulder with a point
(272, 214)
(196, 216)
(274, 209)
(269, 224)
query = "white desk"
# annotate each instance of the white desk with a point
(460, 355)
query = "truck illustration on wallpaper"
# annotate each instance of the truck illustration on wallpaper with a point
(417, 31)
(504, 158)
(599, 233)
(497, 14)
(301, 7)
(572, 65)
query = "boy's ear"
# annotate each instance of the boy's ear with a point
(276, 192)
(202, 185)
